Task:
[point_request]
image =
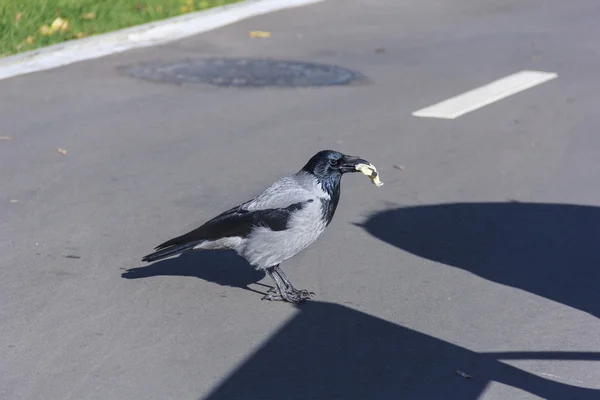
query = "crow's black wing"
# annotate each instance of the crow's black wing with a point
(237, 222)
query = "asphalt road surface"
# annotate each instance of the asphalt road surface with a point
(480, 256)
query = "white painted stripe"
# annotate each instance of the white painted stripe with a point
(485, 95)
(139, 36)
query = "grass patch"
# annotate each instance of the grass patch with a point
(30, 24)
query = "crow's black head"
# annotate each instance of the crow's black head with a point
(331, 164)
(328, 166)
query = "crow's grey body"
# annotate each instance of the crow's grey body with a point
(283, 220)
(263, 247)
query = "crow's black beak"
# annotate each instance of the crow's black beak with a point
(349, 163)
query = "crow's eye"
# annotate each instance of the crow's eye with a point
(334, 162)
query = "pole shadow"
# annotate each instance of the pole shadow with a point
(329, 351)
(551, 250)
(222, 267)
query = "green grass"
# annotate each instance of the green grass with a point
(22, 21)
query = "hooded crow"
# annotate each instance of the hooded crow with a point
(279, 223)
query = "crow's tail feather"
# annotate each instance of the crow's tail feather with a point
(169, 251)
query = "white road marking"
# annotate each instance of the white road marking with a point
(485, 95)
(145, 35)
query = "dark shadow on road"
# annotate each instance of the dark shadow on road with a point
(551, 250)
(219, 266)
(328, 351)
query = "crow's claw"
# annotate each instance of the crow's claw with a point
(291, 296)
(297, 296)
(272, 297)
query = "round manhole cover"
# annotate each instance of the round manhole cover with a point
(244, 73)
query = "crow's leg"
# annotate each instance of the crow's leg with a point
(278, 284)
(288, 285)
(305, 294)
(286, 281)
(286, 293)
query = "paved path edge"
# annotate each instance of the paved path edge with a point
(139, 36)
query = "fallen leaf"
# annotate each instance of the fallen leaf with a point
(463, 374)
(5, 137)
(29, 40)
(45, 30)
(18, 17)
(89, 15)
(59, 24)
(62, 151)
(80, 35)
(259, 34)
(400, 167)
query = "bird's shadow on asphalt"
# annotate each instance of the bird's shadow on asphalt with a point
(222, 267)
(551, 250)
(329, 351)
